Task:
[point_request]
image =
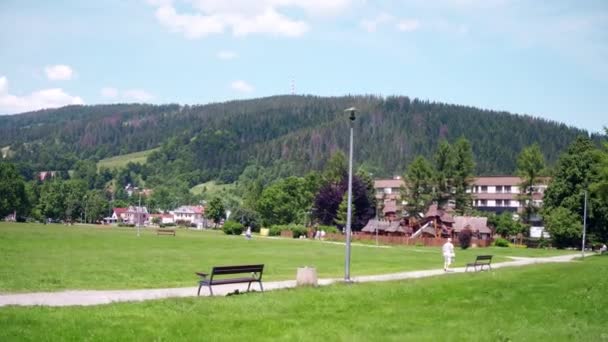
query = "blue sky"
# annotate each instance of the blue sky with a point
(543, 58)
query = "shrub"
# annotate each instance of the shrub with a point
(297, 230)
(329, 229)
(182, 223)
(500, 242)
(465, 238)
(232, 228)
(123, 224)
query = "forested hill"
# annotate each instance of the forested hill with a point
(207, 141)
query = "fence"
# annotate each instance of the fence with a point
(405, 240)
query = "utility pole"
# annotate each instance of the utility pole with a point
(350, 197)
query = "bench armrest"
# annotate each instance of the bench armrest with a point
(203, 275)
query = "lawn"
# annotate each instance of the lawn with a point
(123, 159)
(212, 189)
(53, 257)
(557, 302)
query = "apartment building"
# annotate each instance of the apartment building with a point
(500, 193)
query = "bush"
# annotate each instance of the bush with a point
(500, 242)
(465, 238)
(329, 229)
(122, 224)
(296, 229)
(232, 228)
(182, 223)
(170, 224)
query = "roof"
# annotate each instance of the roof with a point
(190, 209)
(119, 211)
(504, 180)
(388, 183)
(497, 180)
(476, 224)
(382, 225)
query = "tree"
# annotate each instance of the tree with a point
(216, 211)
(564, 226)
(601, 185)
(342, 214)
(286, 201)
(87, 171)
(463, 174)
(506, 225)
(444, 165)
(530, 164)
(96, 206)
(418, 190)
(328, 199)
(336, 168)
(464, 237)
(576, 172)
(13, 195)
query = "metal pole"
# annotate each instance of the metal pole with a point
(584, 224)
(350, 196)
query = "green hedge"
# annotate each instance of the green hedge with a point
(232, 228)
(500, 242)
(295, 228)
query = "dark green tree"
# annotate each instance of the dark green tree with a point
(530, 165)
(216, 211)
(419, 185)
(464, 165)
(564, 226)
(13, 195)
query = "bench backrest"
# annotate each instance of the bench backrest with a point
(219, 270)
(483, 257)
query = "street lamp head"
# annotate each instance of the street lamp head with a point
(352, 111)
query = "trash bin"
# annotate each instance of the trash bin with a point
(306, 276)
(264, 232)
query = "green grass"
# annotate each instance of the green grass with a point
(212, 188)
(36, 257)
(556, 302)
(122, 160)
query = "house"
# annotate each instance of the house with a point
(46, 175)
(478, 225)
(388, 191)
(137, 215)
(190, 214)
(500, 193)
(164, 218)
(118, 215)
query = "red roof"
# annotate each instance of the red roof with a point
(119, 211)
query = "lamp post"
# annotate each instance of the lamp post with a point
(349, 211)
(139, 213)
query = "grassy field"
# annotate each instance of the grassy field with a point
(212, 188)
(38, 257)
(557, 302)
(124, 159)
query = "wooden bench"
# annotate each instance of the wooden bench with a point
(165, 232)
(481, 261)
(254, 275)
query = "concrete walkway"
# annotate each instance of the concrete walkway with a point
(93, 297)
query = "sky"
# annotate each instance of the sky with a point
(543, 58)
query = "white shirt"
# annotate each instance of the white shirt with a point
(448, 249)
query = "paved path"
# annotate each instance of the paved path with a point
(93, 297)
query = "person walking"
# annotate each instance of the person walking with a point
(448, 254)
(248, 233)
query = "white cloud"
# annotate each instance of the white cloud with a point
(59, 72)
(45, 98)
(371, 25)
(109, 92)
(241, 86)
(243, 17)
(408, 25)
(138, 95)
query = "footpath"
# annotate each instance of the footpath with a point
(95, 297)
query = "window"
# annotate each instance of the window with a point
(388, 191)
(484, 188)
(483, 203)
(508, 189)
(499, 188)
